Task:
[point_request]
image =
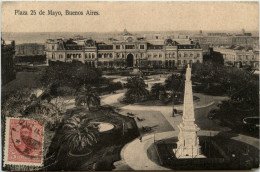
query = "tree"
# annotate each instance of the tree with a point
(72, 75)
(157, 89)
(135, 89)
(175, 83)
(14, 104)
(24, 103)
(43, 111)
(78, 134)
(87, 96)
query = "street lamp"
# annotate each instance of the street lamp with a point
(174, 110)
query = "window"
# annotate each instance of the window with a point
(191, 55)
(53, 47)
(99, 55)
(179, 61)
(117, 46)
(79, 55)
(53, 56)
(179, 55)
(157, 37)
(141, 46)
(198, 55)
(149, 55)
(86, 56)
(111, 55)
(60, 56)
(129, 46)
(160, 55)
(155, 55)
(117, 55)
(123, 56)
(185, 55)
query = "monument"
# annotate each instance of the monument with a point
(188, 141)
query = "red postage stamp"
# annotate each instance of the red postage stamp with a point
(23, 142)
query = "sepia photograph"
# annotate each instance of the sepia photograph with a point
(129, 85)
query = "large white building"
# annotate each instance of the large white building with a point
(130, 51)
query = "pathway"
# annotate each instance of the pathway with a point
(135, 153)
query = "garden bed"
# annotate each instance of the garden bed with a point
(109, 145)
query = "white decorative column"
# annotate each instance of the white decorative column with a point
(188, 141)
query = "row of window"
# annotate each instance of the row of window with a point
(89, 56)
(155, 62)
(105, 55)
(118, 55)
(129, 47)
(73, 56)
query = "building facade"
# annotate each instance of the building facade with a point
(131, 51)
(29, 49)
(7, 60)
(239, 56)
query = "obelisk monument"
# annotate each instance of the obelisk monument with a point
(188, 141)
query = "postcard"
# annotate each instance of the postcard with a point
(129, 85)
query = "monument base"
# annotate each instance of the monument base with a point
(187, 153)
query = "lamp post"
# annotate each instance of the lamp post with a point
(173, 110)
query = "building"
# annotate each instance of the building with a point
(7, 59)
(29, 49)
(129, 51)
(226, 39)
(239, 56)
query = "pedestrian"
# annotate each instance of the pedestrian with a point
(140, 138)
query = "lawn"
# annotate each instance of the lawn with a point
(150, 119)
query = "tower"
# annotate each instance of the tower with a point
(188, 141)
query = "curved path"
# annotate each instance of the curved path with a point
(165, 110)
(135, 153)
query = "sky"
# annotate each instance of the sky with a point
(134, 16)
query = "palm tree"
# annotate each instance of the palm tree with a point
(87, 96)
(136, 88)
(78, 134)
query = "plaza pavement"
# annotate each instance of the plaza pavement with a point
(134, 154)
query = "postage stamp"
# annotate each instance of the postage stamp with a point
(23, 142)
